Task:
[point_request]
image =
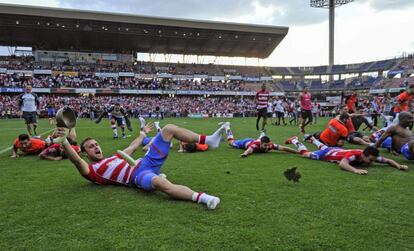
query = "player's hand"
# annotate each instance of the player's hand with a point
(148, 128)
(361, 171)
(59, 132)
(403, 167)
(243, 155)
(394, 153)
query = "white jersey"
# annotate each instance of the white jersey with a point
(28, 102)
(269, 107)
(279, 106)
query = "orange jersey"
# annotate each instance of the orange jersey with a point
(201, 147)
(350, 103)
(36, 146)
(335, 131)
(404, 100)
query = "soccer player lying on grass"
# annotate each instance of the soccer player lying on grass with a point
(33, 146)
(250, 145)
(336, 132)
(402, 137)
(115, 170)
(347, 159)
(56, 151)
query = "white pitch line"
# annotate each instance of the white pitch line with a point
(10, 147)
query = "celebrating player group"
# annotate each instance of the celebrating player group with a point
(145, 173)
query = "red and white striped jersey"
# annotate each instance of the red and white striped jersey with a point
(262, 97)
(255, 145)
(352, 156)
(111, 171)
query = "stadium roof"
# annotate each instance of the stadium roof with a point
(76, 30)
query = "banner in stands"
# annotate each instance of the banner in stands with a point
(149, 91)
(217, 78)
(164, 75)
(183, 77)
(251, 79)
(20, 72)
(41, 90)
(65, 73)
(195, 115)
(3, 70)
(192, 92)
(11, 90)
(334, 99)
(63, 90)
(395, 89)
(85, 90)
(376, 91)
(265, 78)
(235, 77)
(145, 76)
(126, 74)
(106, 74)
(44, 72)
(395, 72)
(276, 94)
(200, 76)
(229, 70)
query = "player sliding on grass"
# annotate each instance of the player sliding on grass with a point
(250, 145)
(145, 174)
(402, 138)
(346, 159)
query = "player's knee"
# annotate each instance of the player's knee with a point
(161, 184)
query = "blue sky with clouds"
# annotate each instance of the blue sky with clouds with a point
(365, 29)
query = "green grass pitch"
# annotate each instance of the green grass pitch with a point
(48, 205)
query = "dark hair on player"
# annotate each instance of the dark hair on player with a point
(344, 117)
(264, 139)
(371, 151)
(83, 142)
(190, 147)
(23, 137)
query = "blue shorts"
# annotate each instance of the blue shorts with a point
(405, 151)
(387, 143)
(241, 144)
(151, 163)
(318, 155)
(119, 121)
(51, 112)
(146, 141)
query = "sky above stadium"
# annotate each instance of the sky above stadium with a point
(365, 29)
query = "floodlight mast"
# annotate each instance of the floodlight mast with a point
(331, 5)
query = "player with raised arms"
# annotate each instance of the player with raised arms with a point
(145, 174)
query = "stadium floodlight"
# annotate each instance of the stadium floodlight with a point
(331, 5)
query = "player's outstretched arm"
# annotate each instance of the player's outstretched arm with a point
(74, 157)
(45, 155)
(344, 164)
(394, 164)
(138, 141)
(247, 152)
(288, 149)
(14, 152)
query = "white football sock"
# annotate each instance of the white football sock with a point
(209, 200)
(157, 126)
(142, 122)
(318, 144)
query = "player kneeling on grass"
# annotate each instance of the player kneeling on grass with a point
(250, 145)
(346, 159)
(145, 174)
